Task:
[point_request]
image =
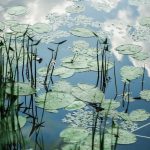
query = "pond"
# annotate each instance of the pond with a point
(74, 75)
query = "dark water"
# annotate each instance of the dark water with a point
(115, 21)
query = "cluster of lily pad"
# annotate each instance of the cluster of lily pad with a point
(69, 97)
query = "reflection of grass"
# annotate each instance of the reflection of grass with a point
(12, 50)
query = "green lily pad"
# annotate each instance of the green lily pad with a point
(19, 89)
(21, 28)
(145, 94)
(70, 147)
(17, 10)
(79, 63)
(75, 8)
(136, 115)
(124, 136)
(86, 144)
(139, 2)
(63, 72)
(54, 100)
(41, 28)
(2, 26)
(18, 122)
(82, 32)
(10, 23)
(141, 56)
(91, 95)
(110, 104)
(144, 21)
(74, 135)
(76, 105)
(43, 71)
(85, 86)
(76, 65)
(139, 115)
(128, 49)
(80, 45)
(93, 65)
(130, 73)
(62, 86)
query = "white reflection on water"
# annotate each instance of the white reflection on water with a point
(37, 9)
(126, 16)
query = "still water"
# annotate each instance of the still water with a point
(119, 21)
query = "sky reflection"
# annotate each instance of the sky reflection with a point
(115, 20)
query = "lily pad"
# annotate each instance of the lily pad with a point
(124, 136)
(130, 73)
(93, 65)
(139, 2)
(139, 115)
(75, 8)
(21, 28)
(20, 89)
(74, 135)
(144, 21)
(17, 10)
(91, 95)
(18, 122)
(128, 49)
(76, 105)
(43, 71)
(82, 32)
(64, 72)
(110, 104)
(141, 56)
(145, 94)
(41, 28)
(86, 144)
(2, 26)
(62, 86)
(139, 33)
(10, 23)
(54, 100)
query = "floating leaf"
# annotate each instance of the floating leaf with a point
(93, 65)
(85, 86)
(16, 122)
(10, 23)
(62, 86)
(139, 2)
(82, 32)
(139, 33)
(124, 136)
(43, 71)
(76, 105)
(139, 115)
(144, 21)
(128, 49)
(17, 10)
(64, 72)
(74, 135)
(130, 73)
(70, 147)
(20, 89)
(145, 94)
(21, 28)
(41, 28)
(54, 100)
(86, 144)
(141, 56)
(2, 26)
(91, 95)
(75, 8)
(109, 104)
